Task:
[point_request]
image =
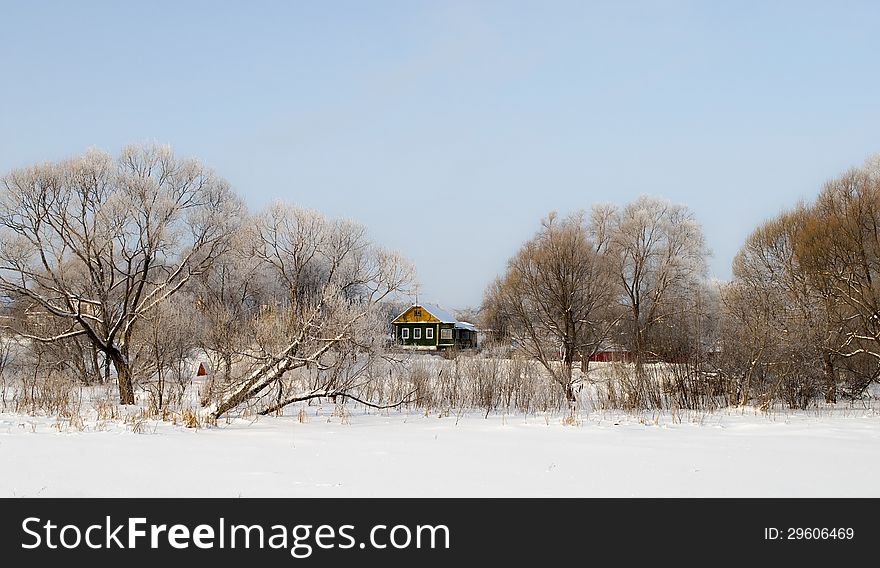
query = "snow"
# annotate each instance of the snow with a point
(734, 453)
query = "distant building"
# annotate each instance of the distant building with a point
(429, 327)
(612, 353)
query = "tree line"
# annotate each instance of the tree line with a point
(799, 318)
(619, 277)
(123, 267)
(123, 270)
(802, 312)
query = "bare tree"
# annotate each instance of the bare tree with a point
(99, 243)
(838, 254)
(328, 322)
(774, 330)
(659, 255)
(7, 355)
(164, 344)
(801, 309)
(229, 297)
(552, 295)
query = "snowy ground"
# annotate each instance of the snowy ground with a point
(723, 454)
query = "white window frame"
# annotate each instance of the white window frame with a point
(446, 333)
(429, 333)
(417, 333)
(404, 333)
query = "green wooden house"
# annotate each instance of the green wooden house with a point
(429, 327)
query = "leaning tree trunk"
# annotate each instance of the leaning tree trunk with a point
(256, 382)
(274, 369)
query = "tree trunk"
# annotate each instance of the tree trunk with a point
(639, 363)
(97, 364)
(747, 388)
(830, 382)
(227, 367)
(256, 382)
(639, 343)
(569, 395)
(123, 377)
(161, 387)
(567, 365)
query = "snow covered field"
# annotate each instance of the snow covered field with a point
(723, 454)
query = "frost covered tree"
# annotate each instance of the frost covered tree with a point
(162, 346)
(98, 243)
(658, 256)
(554, 297)
(327, 323)
(228, 298)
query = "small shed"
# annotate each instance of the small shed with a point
(429, 327)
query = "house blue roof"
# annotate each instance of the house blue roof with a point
(439, 313)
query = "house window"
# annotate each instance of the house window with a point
(429, 333)
(404, 333)
(417, 312)
(417, 333)
(446, 333)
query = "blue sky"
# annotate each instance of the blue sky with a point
(450, 128)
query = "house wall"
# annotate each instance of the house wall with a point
(423, 342)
